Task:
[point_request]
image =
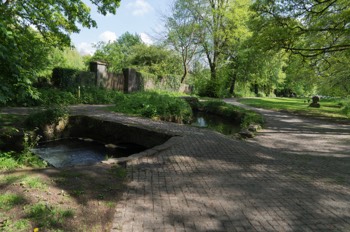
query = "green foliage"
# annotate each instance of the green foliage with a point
(117, 54)
(111, 54)
(65, 78)
(235, 113)
(8, 161)
(50, 115)
(345, 107)
(98, 96)
(16, 226)
(329, 107)
(52, 96)
(24, 51)
(155, 60)
(118, 171)
(8, 201)
(47, 216)
(33, 183)
(154, 105)
(308, 28)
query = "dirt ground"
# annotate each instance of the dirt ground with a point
(70, 199)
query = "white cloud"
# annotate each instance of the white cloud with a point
(108, 36)
(86, 48)
(146, 38)
(140, 7)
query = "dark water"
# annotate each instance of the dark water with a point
(71, 152)
(214, 122)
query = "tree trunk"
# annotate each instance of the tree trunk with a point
(233, 83)
(213, 71)
(184, 73)
(256, 89)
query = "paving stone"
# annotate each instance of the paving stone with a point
(293, 176)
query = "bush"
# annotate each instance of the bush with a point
(52, 96)
(346, 108)
(98, 96)
(235, 113)
(261, 94)
(48, 116)
(154, 105)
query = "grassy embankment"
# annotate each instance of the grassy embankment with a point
(330, 108)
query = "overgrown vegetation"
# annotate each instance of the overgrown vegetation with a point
(243, 116)
(50, 115)
(70, 96)
(155, 105)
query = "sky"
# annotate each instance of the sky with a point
(135, 16)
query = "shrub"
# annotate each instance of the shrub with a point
(154, 105)
(50, 115)
(346, 109)
(95, 95)
(245, 117)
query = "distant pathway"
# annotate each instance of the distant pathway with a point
(300, 135)
(294, 176)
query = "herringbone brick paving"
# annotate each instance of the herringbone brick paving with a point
(210, 182)
(294, 176)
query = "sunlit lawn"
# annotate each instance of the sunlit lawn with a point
(329, 108)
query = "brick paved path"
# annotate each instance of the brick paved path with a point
(294, 177)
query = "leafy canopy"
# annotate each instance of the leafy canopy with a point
(28, 30)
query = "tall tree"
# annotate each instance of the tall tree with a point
(182, 31)
(308, 28)
(19, 43)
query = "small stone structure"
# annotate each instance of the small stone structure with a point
(315, 102)
(129, 80)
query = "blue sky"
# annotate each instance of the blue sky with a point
(135, 16)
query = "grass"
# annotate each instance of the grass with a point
(33, 183)
(48, 216)
(8, 200)
(329, 107)
(72, 199)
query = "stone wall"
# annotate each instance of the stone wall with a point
(128, 81)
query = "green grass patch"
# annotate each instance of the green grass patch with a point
(155, 105)
(47, 216)
(8, 161)
(333, 108)
(118, 171)
(20, 225)
(13, 160)
(33, 183)
(8, 201)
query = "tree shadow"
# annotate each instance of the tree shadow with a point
(205, 184)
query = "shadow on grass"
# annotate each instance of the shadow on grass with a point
(73, 199)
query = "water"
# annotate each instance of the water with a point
(71, 152)
(214, 122)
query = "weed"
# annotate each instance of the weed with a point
(15, 226)
(50, 115)
(47, 216)
(8, 161)
(118, 171)
(78, 192)
(8, 201)
(154, 105)
(34, 183)
(110, 204)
